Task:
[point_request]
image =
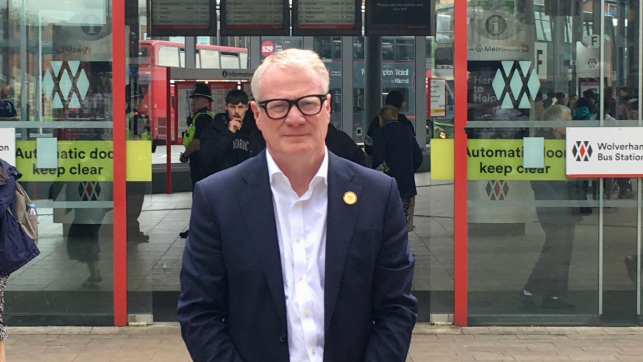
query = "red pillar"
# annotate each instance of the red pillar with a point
(460, 166)
(118, 111)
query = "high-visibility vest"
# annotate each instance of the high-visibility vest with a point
(189, 134)
(145, 135)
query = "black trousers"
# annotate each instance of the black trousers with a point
(550, 276)
(135, 198)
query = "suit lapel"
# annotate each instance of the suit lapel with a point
(255, 200)
(341, 221)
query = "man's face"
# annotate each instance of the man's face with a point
(200, 102)
(236, 111)
(295, 134)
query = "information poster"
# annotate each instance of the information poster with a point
(255, 17)
(402, 18)
(327, 17)
(182, 18)
(438, 98)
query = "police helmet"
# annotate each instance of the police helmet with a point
(136, 93)
(201, 90)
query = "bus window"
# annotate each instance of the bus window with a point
(244, 60)
(388, 52)
(230, 60)
(358, 48)
(444, 26)
(143, 56)
(404, 49)
(169, 57)
(209, 58)
(182, 58)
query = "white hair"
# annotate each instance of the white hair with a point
(291, 59)
(556, 112)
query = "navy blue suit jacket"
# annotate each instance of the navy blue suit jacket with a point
(232, 305)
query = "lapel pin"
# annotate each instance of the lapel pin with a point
(350, 198)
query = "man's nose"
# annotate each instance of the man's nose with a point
(295, 116)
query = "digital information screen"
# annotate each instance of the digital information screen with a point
(184, 18)
(255, 17)
(398, 18)
(327, 17)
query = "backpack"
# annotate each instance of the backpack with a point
(28, 222)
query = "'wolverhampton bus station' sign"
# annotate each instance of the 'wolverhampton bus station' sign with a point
(604, 152)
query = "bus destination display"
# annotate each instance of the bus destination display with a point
(185, 18)
(255, 17)
(327, 17)
(398, 17)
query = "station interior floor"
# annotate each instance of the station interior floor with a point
(498, 265)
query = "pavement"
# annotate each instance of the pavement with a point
(162, 342)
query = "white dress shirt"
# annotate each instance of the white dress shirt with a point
(301, 230)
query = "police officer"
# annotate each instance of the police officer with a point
(201, 98)
(137, 129)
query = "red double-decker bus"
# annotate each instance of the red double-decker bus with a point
(156, 55)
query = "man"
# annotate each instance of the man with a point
(201, 99)
(296, 254)
(550, 276)
(342, 145)
(137, 129)
(7, 109)
(232, 137)
(394, 144)
(395, 99)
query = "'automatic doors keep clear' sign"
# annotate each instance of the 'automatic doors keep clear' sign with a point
(604, 152)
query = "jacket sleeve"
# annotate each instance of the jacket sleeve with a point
(379, 148)
(370, 133)
(394, 307)
(203, 305)
(417, 155)
(216, 143)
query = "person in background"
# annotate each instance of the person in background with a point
(395, 99)
(7, 108)
(395, 145)
(572, 102)
(549, 278)
(231, 138)
(590, 98)
(551, 99)
(561, 99)
(137, 129)
(201, 98)
(342, 145)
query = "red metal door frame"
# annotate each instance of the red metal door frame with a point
(120, 201)
(460, 164)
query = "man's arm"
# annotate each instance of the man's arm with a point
(203, 299)
(379, 148)
(394, 307)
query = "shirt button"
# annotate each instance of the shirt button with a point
(312, 350)
(301, 277)
(306, 313)
(297, 239)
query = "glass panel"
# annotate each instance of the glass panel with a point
(330, 50)
(55, 65)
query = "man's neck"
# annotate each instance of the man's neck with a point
(300, 169)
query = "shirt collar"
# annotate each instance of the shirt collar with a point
(274, 171)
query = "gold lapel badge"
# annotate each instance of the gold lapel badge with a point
(350, 198)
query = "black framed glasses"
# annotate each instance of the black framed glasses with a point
(279, 108)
